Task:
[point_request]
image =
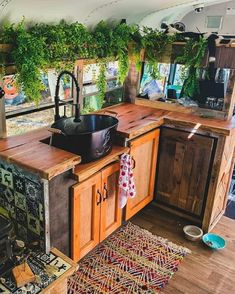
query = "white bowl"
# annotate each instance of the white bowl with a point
(192, 233)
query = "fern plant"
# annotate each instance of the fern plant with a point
(193, 53)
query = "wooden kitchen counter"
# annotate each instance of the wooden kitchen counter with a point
(85, 170)
(135, 120)
(28, 152)
(221, 127)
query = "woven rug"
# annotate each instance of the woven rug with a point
(132, 260)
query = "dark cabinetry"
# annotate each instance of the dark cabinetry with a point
(184, 170)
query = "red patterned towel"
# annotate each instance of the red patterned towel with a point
(126, 180)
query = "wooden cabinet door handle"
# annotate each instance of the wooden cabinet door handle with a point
(133, 162)
(106, 192)
(100, 197)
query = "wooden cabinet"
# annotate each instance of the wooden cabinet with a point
(95, 210)
(184, 170)
(144, 153)
(110, 212)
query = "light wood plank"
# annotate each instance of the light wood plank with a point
(144, 152)
(85, 170)
(86, 202)
(204, 271)
(111, 214)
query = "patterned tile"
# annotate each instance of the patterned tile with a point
(4, 290)
(21, 216)
(7, 179)
(33, 190)
(2, 202)
(20, 201)
(33, 207)
(9, 283)
(33, 224)
(9, 195)
(11, 209)
(29, 288)
(19, 183)
(36, 262)
(61, 265)
(47, 258)
(21, 195)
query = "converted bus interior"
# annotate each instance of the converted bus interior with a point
(117, 146)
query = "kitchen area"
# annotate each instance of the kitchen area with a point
(66, 198)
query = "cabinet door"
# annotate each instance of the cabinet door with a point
(144, 152)
(111, 217)
(183, 171)
(86, 206)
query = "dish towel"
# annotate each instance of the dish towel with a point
(126, 180)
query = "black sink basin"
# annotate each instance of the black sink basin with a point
(91, 137)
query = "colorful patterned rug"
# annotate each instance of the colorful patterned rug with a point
(132, 260)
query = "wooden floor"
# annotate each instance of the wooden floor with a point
(204, 270)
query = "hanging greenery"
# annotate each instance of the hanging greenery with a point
(29, 57)
(42, 46)
(155, 43)
(101, 83)
(193, 53)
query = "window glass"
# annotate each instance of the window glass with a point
(153, 82)
(16, 100)
(28, 122)
(114, 91)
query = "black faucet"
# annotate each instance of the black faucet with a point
(57, 99)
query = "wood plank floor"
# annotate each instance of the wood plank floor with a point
(204, 270)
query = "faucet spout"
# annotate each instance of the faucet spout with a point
(57, 99)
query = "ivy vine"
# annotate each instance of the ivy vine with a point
(42, 46)
(193, 53)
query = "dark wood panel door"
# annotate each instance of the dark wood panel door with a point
(111, 217)
(86, 208)
(183, 169)
(144, 153)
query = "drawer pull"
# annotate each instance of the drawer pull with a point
(100, 198)
(106, 192)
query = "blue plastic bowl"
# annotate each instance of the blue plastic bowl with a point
(214, 241)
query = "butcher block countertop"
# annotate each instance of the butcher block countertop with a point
(85, 170)
(28, 152)
(136, 119)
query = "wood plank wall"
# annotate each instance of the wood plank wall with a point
(59, 206)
